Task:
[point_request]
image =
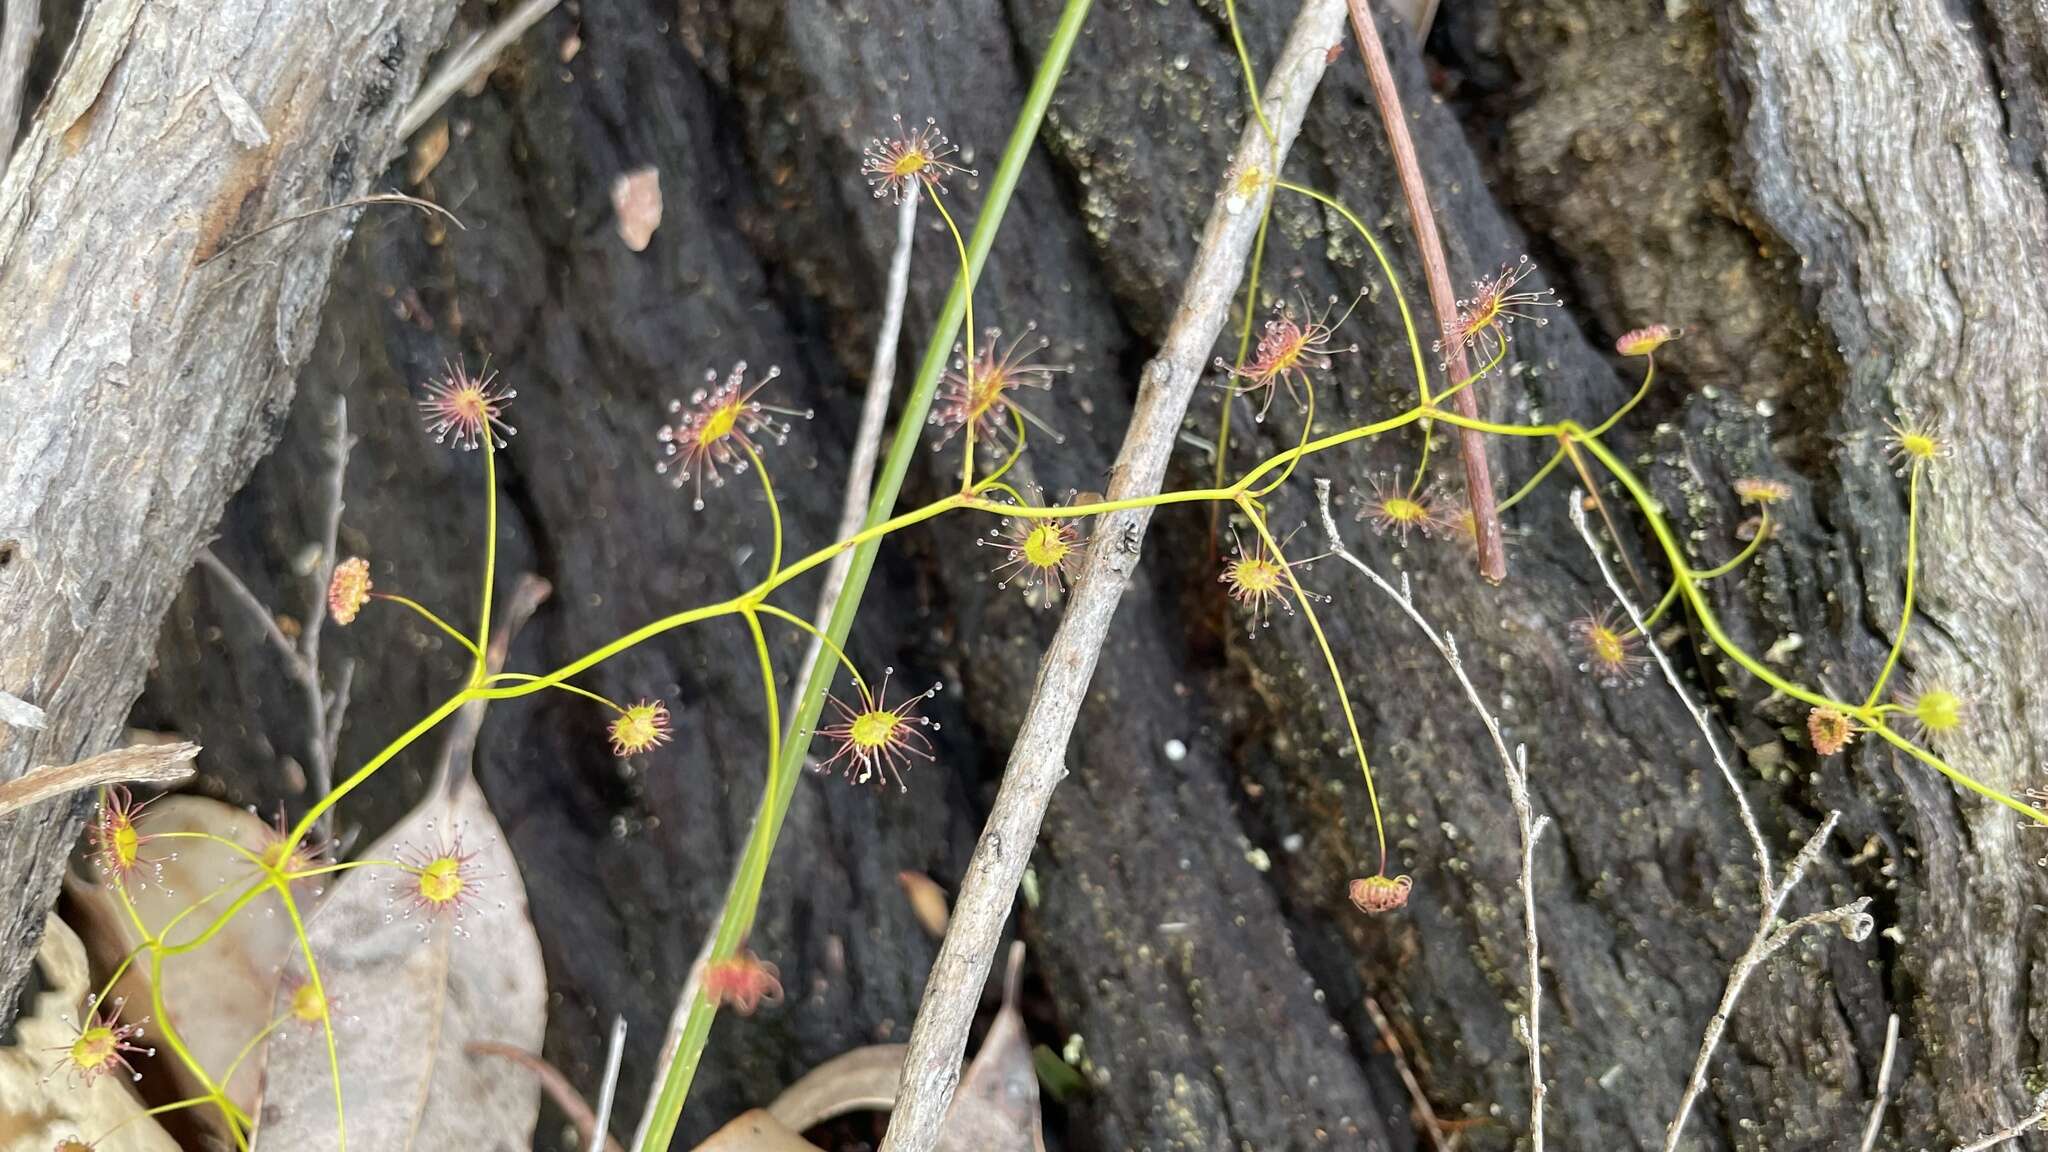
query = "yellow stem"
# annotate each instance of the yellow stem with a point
(1386, 269)
(1017, 419)
(1763, 529)
(1308, 425)
(1330, 658)
(774, 508)
(587, 694)
(967, 278)
(1891, 660)
(483, 627)
(806, 625)
(467, 644)
(326, 1017)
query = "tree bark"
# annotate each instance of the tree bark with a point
(140, 384)
(1736, 168)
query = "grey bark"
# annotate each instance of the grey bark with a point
(138, 389)
(1192, 927)
(1877, 145)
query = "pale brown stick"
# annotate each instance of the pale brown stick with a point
(162, 764)
(1038, 759)
(1515, 767)
(462, 67)
(2026, 1124)
(1423, 1112)
(1884, 1085)
(1493, 560)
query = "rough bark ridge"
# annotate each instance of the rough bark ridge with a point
(1191, 926)
(1876, 144)
(138, 388)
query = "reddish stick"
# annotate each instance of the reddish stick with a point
(1493, 561)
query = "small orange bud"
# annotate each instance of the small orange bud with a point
(744, 981)
(1830, 730)
(1644, 341)
(348, 589)
(1757, 490)
(1373, 895)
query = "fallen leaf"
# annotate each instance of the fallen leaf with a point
(217, 996)
(996, 1108)
(756, 1131)
(927, 902)
(863, 1080)
(427, 150)
(410, 994)
(38, 1109)
(636, 197)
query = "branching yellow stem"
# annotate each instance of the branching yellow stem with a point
(1891, 659)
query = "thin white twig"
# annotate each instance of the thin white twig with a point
(2026, 1124)
(463, 66)
(17, 42)
(1758, 846)
(867, 441)
(1515, 768)
(1884, 1085)
(860, 483)
(931, 1070)
(600, 1127)
(324, 713)
(1770, 936)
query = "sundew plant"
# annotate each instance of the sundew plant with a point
(984, 403)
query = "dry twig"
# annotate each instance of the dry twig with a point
(1884, 1085)
(1038, 759)
(1424, 1114)
(466, 62)
(427, 206)
(1493, 561)
(1771, 935)
(324, 711)
(2025, 1125)
(160, 764)
(1515, 767)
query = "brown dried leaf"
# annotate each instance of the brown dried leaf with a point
(996, 1109)
(409, 994)
(756, 1131)
(38, 1109)
(928, 902)
(636, 197)
(863, 1080)
(218, 995)
(427, 150)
